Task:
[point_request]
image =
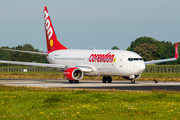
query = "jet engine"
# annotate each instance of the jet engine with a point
(129, 77)
(73, 73)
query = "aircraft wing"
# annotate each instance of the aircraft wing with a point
(32, 52)
(83, 68)
(159, 61)
(165, 60)
(34, 64)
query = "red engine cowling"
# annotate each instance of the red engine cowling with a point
(73, 73)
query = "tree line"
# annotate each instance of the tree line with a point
(151, 49)
(19, 56)
(147, 47)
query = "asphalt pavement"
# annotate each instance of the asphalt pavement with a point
(93, 84)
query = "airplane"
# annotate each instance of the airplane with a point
(79, 63)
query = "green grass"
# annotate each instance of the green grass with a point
(160, 75)
(56, 103)
(39, 75)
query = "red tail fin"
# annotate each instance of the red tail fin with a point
(51, 39)
(176, 51)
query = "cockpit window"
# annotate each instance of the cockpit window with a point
(134, 59)
(130, 59)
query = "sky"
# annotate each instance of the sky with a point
(85, 24)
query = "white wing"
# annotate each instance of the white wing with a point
(34, 64)
(83, 68)
(159, 61)
(176, 56)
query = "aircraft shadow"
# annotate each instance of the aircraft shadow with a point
(84, 82)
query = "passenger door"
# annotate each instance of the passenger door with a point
(121, 61)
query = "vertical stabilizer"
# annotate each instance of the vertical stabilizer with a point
(51, 39)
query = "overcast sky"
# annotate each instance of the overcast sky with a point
(89, 23)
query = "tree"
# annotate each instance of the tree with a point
(115, 48)
(28, 47)
(19, 56)
(164, 49)
(142, 40)
(147, 52)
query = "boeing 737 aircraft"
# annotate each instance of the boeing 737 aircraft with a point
(77, 63)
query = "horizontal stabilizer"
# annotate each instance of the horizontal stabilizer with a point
(32, 52)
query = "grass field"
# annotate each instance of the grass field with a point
(55, 103)
(59, 75)
(160, 76)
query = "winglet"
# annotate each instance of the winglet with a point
(176, 51)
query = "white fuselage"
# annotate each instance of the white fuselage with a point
(103, 62)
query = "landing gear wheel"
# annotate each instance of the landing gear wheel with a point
(76, 81)
(70, 81)
(104, 79)
(109, 78)
(132, 81)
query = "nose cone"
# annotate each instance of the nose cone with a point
(140, 67)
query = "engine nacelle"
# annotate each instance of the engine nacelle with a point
(73, 73)
(129, 77)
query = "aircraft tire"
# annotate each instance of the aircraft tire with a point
(109, 79)
(70, 81)
(133, 81)
(76, 81)
(104, 79)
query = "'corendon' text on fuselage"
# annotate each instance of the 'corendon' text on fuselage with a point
(101, 58)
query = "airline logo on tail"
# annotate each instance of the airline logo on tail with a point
(47, 24)
(51, 39)
(49, 30)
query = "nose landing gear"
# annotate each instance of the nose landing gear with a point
(133, 81)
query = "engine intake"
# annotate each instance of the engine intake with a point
(73, 73)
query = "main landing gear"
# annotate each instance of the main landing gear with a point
(133, 81)
(107, 79)
(71, 81)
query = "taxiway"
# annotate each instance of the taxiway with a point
(93, 84)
